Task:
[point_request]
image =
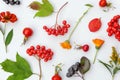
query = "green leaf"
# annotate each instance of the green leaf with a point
(115, 70)
(84, 65)
(89, 5)
(9, 38)
(15, 77)
(107, 66)
(44, 9)
(20, 69)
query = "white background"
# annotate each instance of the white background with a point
(82, 35)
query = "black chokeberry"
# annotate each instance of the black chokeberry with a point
(12, 2)
(17, 2)
(69, 75)
(75, 67)
(7, 1)
(77, 63)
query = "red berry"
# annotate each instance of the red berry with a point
(38, 46)
(95, 24)
(64, 22)
(85, 47)
(32, 47)
(45, 27)
(56, 77)
(68, 25)
(27, 32)
(102, 3)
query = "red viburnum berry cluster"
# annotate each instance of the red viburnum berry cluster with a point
(41, 52)
(114, 27)
(57, 29)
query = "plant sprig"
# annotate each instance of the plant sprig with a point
(114, 64)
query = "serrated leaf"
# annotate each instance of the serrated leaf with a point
(35, 5)
(44, 9)
(9, 38)
(20, 69)
(107, 66)
(84, 65)
(15, 77)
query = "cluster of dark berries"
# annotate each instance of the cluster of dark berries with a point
(73, 69)
(12, 2)
(79, 69)
(41, 52)
(114, 27)
(57, 29)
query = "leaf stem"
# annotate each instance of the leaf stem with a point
(78, 23)
(95, 56)
(36, 74)
(59, 12)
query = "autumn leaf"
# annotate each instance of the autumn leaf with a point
(20, 69)
(43, 9)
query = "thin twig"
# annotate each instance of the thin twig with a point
(58, 13)
(40, 69)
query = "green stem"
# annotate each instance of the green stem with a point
(78, 23)
(95, 55)
(113, 77)
(4, 31)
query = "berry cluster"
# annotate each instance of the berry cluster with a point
(114, 27)
(73, 69)
(41, 52)
(12, 2)
(84, 47)
(57, 29)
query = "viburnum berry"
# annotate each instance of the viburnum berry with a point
(84, 47)
(41, 52)
(57, 29)
(114, 27)
(27, 32)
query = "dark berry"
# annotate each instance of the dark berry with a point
(77, 64)
(68, 75)
(7, 1)
(71, 70)
(75, 67)
(12, 2)
(17, 2)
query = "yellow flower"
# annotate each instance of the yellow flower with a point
(66, 44)
(114, 57)
(98, 42)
